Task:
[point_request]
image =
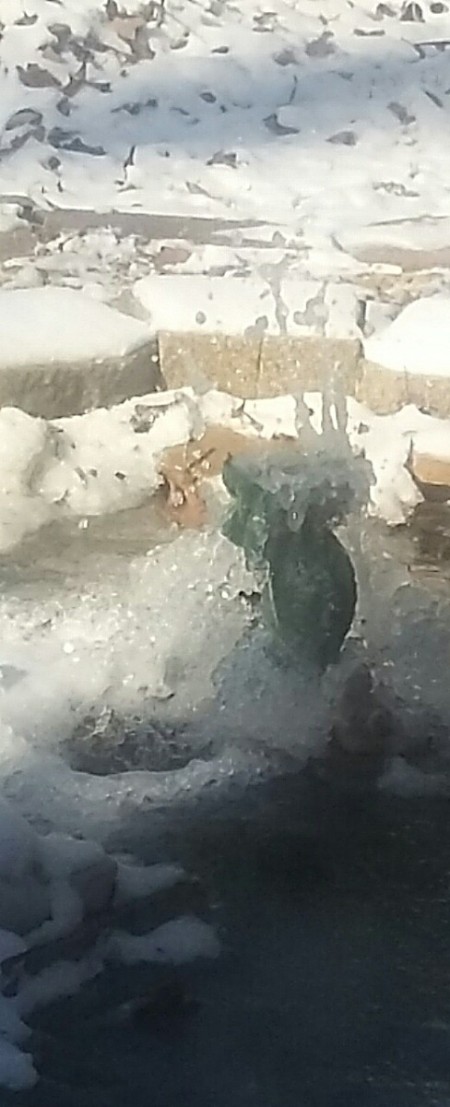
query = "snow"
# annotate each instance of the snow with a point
(209, 304)
(108, 460)
(386, 442)
(418, 341)
(63, 855)
(238, 303)
(234, 114)
(63, 326)
(178, 941)
(16, 1068)
(63, 978)
(10, 945)
(136, 882)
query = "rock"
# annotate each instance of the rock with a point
(381, 389)
(294, 365)
(230, 364)
(74, 354)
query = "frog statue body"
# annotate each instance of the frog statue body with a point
(285, 506)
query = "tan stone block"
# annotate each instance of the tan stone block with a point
(383, 390)
(309, 364)
(228, 363)
(431, 394)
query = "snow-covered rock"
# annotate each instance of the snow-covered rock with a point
(418, 340)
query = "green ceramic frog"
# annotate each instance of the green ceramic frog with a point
(285, 506)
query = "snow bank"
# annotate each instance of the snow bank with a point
(40, 326)
(108, 460)
(100, 462)
(418, 341)
(25, 449)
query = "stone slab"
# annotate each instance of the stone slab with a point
(431, 394)
(381, 389)
(386, 391)
(56, 390)
(308, 364)
(228, 363)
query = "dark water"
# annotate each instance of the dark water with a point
(334, 986)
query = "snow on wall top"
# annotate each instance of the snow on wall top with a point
(47, 325)
(418, 341)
